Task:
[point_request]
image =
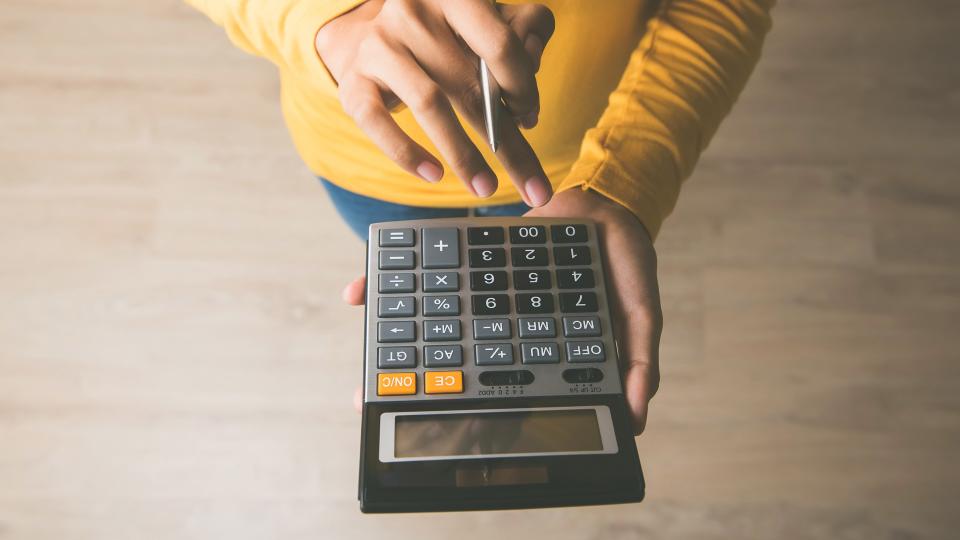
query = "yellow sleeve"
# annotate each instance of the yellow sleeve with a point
(682, 79)
(283, 31)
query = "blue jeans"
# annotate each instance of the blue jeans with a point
(359, 211)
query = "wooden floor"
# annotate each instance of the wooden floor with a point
(175, 362)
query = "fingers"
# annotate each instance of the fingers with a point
(362, 100)
(430, 106)
(358, 399)
(638, 318)
(534, 24)
(640, 351)
(456, 76)
(355, 291)
(522, 163)
(486, 33)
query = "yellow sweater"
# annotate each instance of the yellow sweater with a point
(631, 93)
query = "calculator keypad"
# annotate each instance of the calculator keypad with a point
(517, 305)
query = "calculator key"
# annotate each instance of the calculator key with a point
(441, 305)
(582, 375)
(396, 306)
(494, 354)
(487, 257)
(529, 256)
(443, 382)
(396, 384)
(569, 233)
(575, 278)
(396, 357)
(445, 330)
(506, 377)
(442, 356)
(586, 326)
(571, 255)
(397, 283)
(577, 302)
(537, 327)
(528, 234)
(535, 303)
(531, 279)
(396, 259)
(479, 236)
(396, 238)
(492, 280)
(441, 281)
(441, 247)
(490, 304)
(491, 328)
(540, 353)
(396, 331)
(585, 351)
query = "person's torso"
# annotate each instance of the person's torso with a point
(582, 64)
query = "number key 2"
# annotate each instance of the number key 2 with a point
(529, 256)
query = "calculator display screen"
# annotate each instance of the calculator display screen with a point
(491, 433)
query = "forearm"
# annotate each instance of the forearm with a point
(680, 82)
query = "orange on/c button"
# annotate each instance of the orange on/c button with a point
(396, 384)
(443, 382)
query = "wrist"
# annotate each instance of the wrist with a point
(578, 202)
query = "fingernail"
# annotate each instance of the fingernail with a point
(430, 172)
(538, 191)
(530, 121)
(484, 184)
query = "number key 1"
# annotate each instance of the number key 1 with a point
(570, 255)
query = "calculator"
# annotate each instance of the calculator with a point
(491, 374)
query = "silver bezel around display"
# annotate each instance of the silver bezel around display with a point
(608, 438)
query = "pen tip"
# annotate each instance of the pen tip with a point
(494, 145)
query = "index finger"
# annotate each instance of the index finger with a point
(483, 30)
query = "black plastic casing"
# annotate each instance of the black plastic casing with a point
(430, 486)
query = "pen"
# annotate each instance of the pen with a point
(491, 105)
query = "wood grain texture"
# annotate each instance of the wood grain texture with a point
(175, 361)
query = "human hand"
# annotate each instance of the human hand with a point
(423, 53)
(631, 264)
